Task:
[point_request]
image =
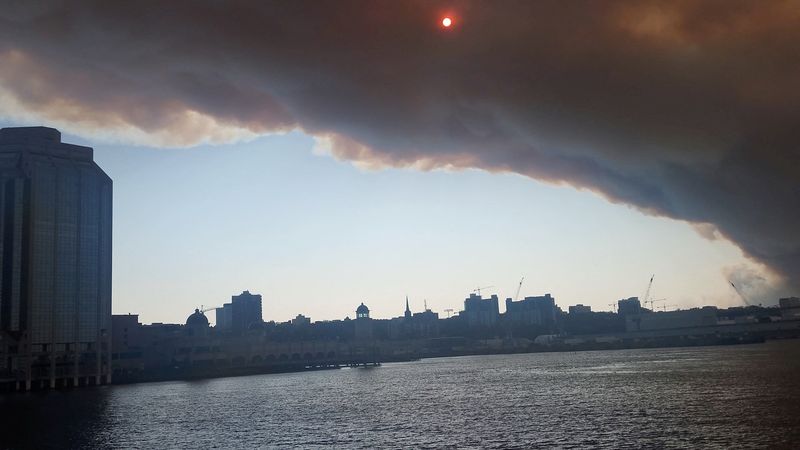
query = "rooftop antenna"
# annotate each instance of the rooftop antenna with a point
(448, 311)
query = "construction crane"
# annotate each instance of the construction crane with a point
(205, 310)
(519, 288)
(647, 293)
(744, 299)
(653, 302)
(478, 290)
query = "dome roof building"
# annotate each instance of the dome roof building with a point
(197, 319)
(362, 312)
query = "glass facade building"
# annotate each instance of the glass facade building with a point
(55, 258)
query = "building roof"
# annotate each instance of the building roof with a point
(24, 135)
(41, 140)
(197, 319)
(362, 309)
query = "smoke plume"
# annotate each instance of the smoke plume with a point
(685, 109)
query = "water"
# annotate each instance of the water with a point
(738, 396)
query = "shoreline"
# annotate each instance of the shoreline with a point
(213, 373)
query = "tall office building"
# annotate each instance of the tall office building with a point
(540, 310)
(240, 314)
(55, 261)
(481, 312)
(629, 306)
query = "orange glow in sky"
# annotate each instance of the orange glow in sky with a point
(446, 22)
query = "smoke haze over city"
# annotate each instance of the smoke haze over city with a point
(683, 110)
(399, 224)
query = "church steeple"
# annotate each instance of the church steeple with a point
(408, 310)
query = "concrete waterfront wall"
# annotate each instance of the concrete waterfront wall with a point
(199, 357)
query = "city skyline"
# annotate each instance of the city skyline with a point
(288, 157)
(690, 270)
(164, 299)
(399, 224)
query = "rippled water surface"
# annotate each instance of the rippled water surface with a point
(738, 396)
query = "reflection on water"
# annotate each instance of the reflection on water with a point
(54, 419)
(740, 396)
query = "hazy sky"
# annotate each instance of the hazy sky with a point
(318, 236)
(554, 116)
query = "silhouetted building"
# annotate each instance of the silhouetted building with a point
(241, 314)
(425, 324)
(362, 312)
(127, 344)
(164, 351)
(414, 326)
(790, 308)
(224, 317)
(533, 311)
(197, 323)
(197, 319)
(629, 306)
(363, 324)
(696, 317)
(523, 313)
(126, 335)
(789, 302)
(246, 310)
(593, 323)
(301, 320)
(55, 262)
(580, 309)
(481, 312)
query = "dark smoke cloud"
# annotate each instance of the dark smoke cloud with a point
(689, 110)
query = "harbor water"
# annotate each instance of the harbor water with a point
(745, 396)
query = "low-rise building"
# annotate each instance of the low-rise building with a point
(580, 309)
(301, 320)
(696, 317)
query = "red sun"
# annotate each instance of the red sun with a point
(447, 22)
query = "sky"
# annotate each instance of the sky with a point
(359, 151)
(317, 236)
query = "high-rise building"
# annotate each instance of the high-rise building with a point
(241, 313)
(55, 261)
(224, 317)
(629, 306)
(540, 310)
(481, 312)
